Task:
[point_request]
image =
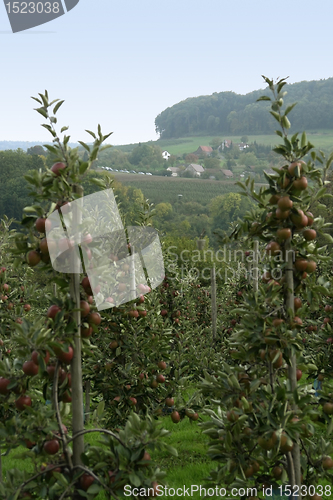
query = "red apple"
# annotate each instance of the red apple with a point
(87, 239)
(175, 417)
(86, 285)
(86, 481)
(30, 368)
(58, 167)
(51, 447)
(66, 397)
(65, 357)
(40, 225)
(22, 402)
(53, 311)
(3, 386)
(34, 357)
(85, 308)
(33, 258)
(140, 299)
(94, 318)
(86, 332)
(27, 307)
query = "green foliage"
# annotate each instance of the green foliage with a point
(230, 113)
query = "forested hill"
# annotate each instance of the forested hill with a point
(231, 113)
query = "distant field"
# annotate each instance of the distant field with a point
(320, 139)
(166, 189)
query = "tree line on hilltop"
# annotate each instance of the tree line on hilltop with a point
(231, 113)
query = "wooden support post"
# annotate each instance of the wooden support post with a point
(87, 407)
(76, 364)
(213, 300)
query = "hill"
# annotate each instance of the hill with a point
(25, 145)
(234, 114)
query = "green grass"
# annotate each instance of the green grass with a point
(321, 139)
(191, 467)
(166, 189)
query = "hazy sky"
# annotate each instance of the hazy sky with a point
(121, 62)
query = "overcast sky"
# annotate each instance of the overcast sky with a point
(121, 62)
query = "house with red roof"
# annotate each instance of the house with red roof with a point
(204, 150)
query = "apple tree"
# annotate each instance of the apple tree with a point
(265, 430)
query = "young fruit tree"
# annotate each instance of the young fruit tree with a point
(41, 387)
(265, 430)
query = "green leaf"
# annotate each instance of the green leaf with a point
(281, 150)
(44, 99)
(98, 182)
(29, 210)
(38, 100)
(53, 119)
(94, 488)
(264, 98)
(171, 450)
(303, 140)
(281, 84)
(83, 167)
(285, 122)
(289, 108)
(84, 145)
(91, 133)
(52, 149)
(63, 129)
(135, 480)
(49, 128)
(106, 136)
(276, 116)
(42, 111)
(328, 237)
(57, 106)
(100, 408)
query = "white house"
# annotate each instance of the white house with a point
(242, 146)
(226, 144)
(165, 155)
(195, 169)
(174, 171)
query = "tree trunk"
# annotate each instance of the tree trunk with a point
(213, 300)
(76, 366)
(87, 412)
(289, 304)
(132, 275)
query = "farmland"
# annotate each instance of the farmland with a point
(166, 189)
(323, 139)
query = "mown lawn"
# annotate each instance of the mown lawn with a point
(322, 139)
